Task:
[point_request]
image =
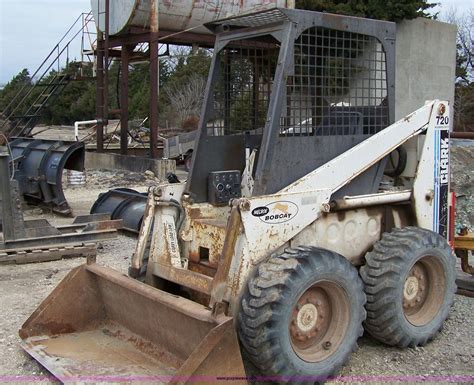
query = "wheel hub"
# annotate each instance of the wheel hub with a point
(411, 288)
(414, 291)
(318, 321)
(309, 321)
(307, 317)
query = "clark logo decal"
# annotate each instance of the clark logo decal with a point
(276, 212)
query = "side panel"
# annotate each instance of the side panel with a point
(349, 233)
(441, 195)
(431, 187)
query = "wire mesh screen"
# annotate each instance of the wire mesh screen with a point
(242, 90)
(339, 85)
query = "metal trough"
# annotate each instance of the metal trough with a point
(39, 165)
(99, 326)
(122, 203)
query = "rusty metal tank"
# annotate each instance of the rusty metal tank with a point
(175, 15)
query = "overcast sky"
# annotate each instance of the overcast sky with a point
(29, 29)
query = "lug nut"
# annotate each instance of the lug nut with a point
(327, 345)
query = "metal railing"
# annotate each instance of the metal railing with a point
(23, 110)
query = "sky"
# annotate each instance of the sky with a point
(29, 30)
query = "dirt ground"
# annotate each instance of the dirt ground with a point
(448, 358)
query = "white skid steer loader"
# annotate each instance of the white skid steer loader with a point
(308, 215)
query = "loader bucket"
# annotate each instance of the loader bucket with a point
(101, 326)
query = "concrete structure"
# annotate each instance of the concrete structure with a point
(160, 167)
(426, 64)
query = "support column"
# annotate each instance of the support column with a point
(7, 220)
(154, 85)
(100, 93)
(13, 226)
(106, 62)
(124, 116)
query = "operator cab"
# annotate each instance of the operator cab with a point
(285, 99)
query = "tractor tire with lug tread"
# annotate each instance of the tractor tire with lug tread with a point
(301, 315)
(410, 284)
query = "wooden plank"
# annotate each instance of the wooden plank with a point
(44, 255)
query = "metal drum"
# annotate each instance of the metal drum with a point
(175, 15)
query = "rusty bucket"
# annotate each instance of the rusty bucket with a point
(101, 326)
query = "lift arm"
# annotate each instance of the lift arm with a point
(289, 211)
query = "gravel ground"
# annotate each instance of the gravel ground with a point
(462, 181)
(448, 358)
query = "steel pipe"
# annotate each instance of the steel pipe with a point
(385, 198)
(461, 135)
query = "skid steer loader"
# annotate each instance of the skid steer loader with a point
(308, 215)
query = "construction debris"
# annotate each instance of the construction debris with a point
(38, 166)
(122, 204)
(39, 241)
(464, 245)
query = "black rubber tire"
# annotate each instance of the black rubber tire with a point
(268, 302)
(384, 275)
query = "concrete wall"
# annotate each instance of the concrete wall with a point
(109, 161)
(426, 64)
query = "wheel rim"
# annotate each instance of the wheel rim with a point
(319, 321)
(423, 291)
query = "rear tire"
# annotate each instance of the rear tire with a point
(301, 315)
(410, 284)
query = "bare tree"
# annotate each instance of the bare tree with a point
(465, 42)
(187, 98)
(464, 98)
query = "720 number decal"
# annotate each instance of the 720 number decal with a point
(442, 120)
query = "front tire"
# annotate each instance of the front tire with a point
(301, 315)
(410, 284)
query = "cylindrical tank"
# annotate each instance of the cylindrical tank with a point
(175, 15)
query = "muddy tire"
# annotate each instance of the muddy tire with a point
(301, 315)
(410, 284)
